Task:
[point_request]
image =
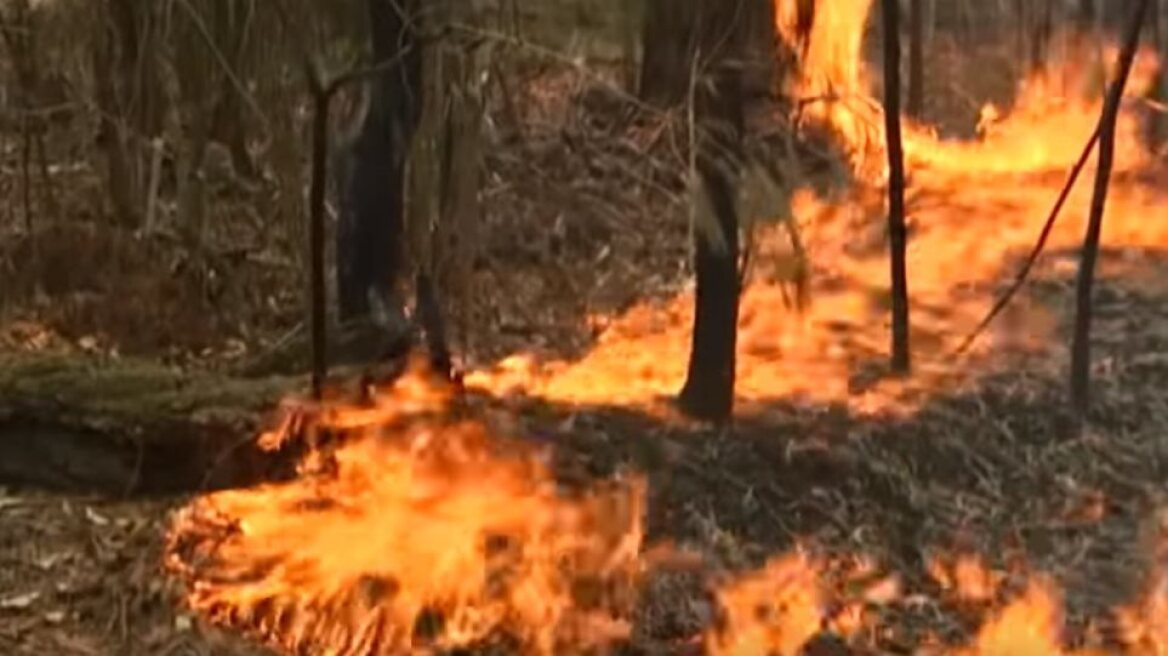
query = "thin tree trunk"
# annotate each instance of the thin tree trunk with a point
(670, 39)
(916, 59)
(1157, 127)
(1081, 346)
(897, 231)
(370, 234)
(708, 393)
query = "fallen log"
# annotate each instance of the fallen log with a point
(132, 427)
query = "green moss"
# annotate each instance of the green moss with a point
(131, 394)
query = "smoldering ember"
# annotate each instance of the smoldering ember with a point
(727, 327)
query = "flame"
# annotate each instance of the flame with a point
(974, 208)
(421, 524)
(424, 525)
(777, 610)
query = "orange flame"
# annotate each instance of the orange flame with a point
(423, 520)
(775, 611)
(423, 529)
(973, 208)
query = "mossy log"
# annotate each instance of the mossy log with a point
(122, 426)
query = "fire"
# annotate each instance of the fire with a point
(426, 526)
(974, 207)
(777, 610)
(422, 529)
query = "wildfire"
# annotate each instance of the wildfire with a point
(421, 530)
(974, 208)
(424, 526)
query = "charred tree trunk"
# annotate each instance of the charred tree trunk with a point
(372, 190)
(708, 393)
(672, 35)
(1081, 346)
(669, 41)
(916, 59)
(897, 231)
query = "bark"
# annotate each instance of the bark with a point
(708, 393)
(916, 59)
(1157, 126)
(672, 36)
(233, 24)
(669, 41)
(444, 178)
(1081, 344)
(897, 231)
(370, 234)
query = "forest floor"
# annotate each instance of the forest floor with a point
(986, 469)
(989, 471)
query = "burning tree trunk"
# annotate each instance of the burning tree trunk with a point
(1081, 346)
(709, 387)
(897, 231)
(372, 188)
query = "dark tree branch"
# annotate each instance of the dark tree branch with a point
(322, 94)
(897, 231)
(1081, 345)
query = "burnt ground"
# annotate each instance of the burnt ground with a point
(995, 470)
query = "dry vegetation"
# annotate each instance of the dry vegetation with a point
(583, 217)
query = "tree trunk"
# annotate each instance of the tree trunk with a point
(1081, 340)
(233, 23)
(1157, 127)
(444, 178)
(708, 393)
(370, 234)
(897, 231)
(128, 93)
(669, 39)
(916, 59)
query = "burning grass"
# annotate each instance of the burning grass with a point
(419, 529)
(424, 527)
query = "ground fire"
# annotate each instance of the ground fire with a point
(428, 524)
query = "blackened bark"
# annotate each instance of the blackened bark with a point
(916, 59)
(669, 41)
(672, 35)
(430, 320)
(1081, 345)
(897, 231)
(708, 393)
(321, 97)
(370, 234)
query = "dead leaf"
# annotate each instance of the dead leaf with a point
(20, 601)
(95, 518)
